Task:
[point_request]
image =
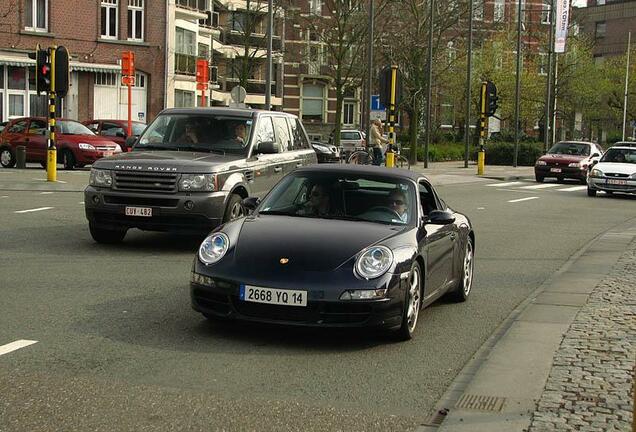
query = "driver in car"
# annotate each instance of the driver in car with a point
(397, 203)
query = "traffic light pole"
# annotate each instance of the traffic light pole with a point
(481, 155)
(390, 154)
(51, 165)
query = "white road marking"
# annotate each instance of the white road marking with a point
(46, 193)
(60, 181)
(5, 349)
(81, 202)
(523, 199)
(572, 189)
(33, 210)
(481, 208)
(541, 186)
(504, 184)
(4, 196)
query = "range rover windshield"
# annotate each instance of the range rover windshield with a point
(200, 133)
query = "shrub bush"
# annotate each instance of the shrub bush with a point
(445, 152)
(502, 153)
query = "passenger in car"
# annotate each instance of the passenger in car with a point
(189, 135)
(397, 202)
(319, 203)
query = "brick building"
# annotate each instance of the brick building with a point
(608, 23)
(95, 33)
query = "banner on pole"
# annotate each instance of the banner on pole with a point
(562, 21)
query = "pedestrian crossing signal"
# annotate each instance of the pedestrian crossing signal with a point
(43, 70)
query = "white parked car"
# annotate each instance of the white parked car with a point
(615, 172)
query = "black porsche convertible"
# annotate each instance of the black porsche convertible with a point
(337, 246)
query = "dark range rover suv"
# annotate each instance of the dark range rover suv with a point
(190, 170)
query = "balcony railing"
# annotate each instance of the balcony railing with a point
(196, 5)
(185, 64)
(253, 86)
(235, 38)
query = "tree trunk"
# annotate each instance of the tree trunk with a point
(414, 121)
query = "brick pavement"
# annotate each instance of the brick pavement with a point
(591, 382)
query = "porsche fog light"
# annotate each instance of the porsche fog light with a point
(374, 262)
(200, 279)
(363, 294)
(213, 248)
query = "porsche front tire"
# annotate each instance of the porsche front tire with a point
(412, 304)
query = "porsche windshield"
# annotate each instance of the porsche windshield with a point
(617, 155)
(570, 148)
(348, 197)
(198, 132)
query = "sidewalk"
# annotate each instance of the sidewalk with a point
(564, 359)
(492, 172)
(33, 178)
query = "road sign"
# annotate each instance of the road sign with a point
(378, 115)
(376, 105)
(238, 94)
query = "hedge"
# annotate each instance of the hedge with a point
(497, 153)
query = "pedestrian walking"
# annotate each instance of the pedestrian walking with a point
(376, 140)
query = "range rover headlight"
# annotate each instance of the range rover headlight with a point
(100, 178)
(196, 183)
(373, 262)
(213, 248)
(596, 173)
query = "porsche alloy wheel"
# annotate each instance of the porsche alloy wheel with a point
(412, 304)
(462, 291)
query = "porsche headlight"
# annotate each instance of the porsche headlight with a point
(373, 294)
(374, 262)
(196, 183)
(213, 248)
(85, 146)
(541, 163)
(100, 178)
(596, 173)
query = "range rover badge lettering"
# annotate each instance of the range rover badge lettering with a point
(141, 168)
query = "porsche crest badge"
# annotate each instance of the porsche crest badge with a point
(284, 261)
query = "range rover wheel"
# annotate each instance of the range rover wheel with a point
(7, 159)
(234, 208)
(106, 236)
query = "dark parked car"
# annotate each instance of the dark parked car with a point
(567, 159)
(76, 144)
(326, 153)
(116, 130)
(337, 246)
(190, 170)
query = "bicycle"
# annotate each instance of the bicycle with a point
(364, 156)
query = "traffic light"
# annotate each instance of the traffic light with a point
(203, 71)
(128, 63)
(42, 70)
(385, 79)
(491, 99)
(61, 71)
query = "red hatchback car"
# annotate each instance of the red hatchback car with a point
(116, 130)
(567, 159)
(76, 144)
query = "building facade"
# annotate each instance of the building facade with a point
(608, 24)
(95, 34)
(231, 36)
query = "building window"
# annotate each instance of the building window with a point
(185, 52)
(238, 21)
(600, 29)
(499, 11)
(315, 7)
(136, 20)
(105, 78)
(109, 19)
(16, 105)
(313, 102)
(523, 11)
(204, 51)
(447, 115)
(543, 64)
(478, 10)
(546, 16)
(37, 15)
(348, 111)
(183, 99)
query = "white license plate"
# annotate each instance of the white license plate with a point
(557, 170)
(616, 182)
(107, 153)
(139, 211)
(273, 296)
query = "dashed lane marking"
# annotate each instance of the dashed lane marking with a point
(46, 193)
(523, 199)
(5, 349)
(504, 184)
(540, 186)
(573, 189)
(4, 196)
(34, 210)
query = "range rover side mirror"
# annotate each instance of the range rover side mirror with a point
(250, 203)
(440, 217)
(267, 147)
(131, 141)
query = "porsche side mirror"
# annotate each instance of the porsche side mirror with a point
(250, 203)
(440, 217)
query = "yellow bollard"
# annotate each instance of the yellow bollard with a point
(51, 165)
(390, 159)
(481, 162)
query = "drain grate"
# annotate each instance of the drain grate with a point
(480, 403)
(593, 399)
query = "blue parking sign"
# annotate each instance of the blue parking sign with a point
(375, 103)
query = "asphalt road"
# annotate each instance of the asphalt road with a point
(118, 347)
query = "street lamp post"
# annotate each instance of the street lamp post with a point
(430, 83)
(548, 88)
(518, 85)
(270, 31)
(469, 73)
(370, 70)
